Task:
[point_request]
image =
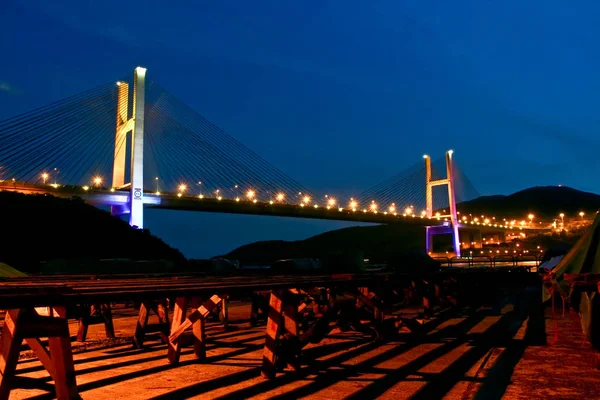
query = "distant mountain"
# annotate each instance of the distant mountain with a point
(38, 228)
(542, 201)
(390, 243)
(380, 243)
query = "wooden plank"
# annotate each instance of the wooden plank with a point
(10, 348)
(199, 332)
(179, 312)
(201, 312)
(64, 369)
(291, 331)
(42, 354)
(273, 330)
(163, 319)
(84, 323)
(140, 329)
(225, 311)
(34, 325)
(108, 321)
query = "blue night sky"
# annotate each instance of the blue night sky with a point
(340, 95)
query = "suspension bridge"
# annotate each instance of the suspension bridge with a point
(80, 146)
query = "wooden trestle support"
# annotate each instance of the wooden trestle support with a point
(33, 324)
(196, 320)
(95, 314)
(288, 331)
(294, 318)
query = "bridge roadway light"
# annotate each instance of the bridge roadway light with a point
(182, 188)
(353, 204)
(306, 200)
(331, 202)
(250, 194)
(280, 197)
(44, 177)
(373, 206)
(98, 181)
(581, 214)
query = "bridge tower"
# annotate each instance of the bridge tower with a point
(135, 125)
(449, 182)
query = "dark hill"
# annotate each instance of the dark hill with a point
(542, 201)
(390, 243)
(38, 228)
(381, 243)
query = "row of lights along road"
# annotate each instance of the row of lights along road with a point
(353, 205)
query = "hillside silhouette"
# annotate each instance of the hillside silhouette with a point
(393, 243)
(41, 228)
(543, 201)
(380, 244)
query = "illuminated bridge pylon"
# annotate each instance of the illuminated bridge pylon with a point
(135, 125)
(430, 183)
(115, 146)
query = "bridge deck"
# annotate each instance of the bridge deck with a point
(173, 201)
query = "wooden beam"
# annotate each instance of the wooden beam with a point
(199, 332)
(64, 369)
(225, 311)
(178, 317)
(108, 321)
(201, 312)
(95, 314)
(142, 323)
(42, 354)
(273, 330)
(22, 324)
(10, 348)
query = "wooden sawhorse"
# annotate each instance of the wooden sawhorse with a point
(32, 324)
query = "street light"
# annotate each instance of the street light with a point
(531, 217)
(97, 181)
(156, 179)
(44, 177)
(373, 206)
(581, 214)
(182, 188)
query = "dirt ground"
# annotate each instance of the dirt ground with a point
(505, 351)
